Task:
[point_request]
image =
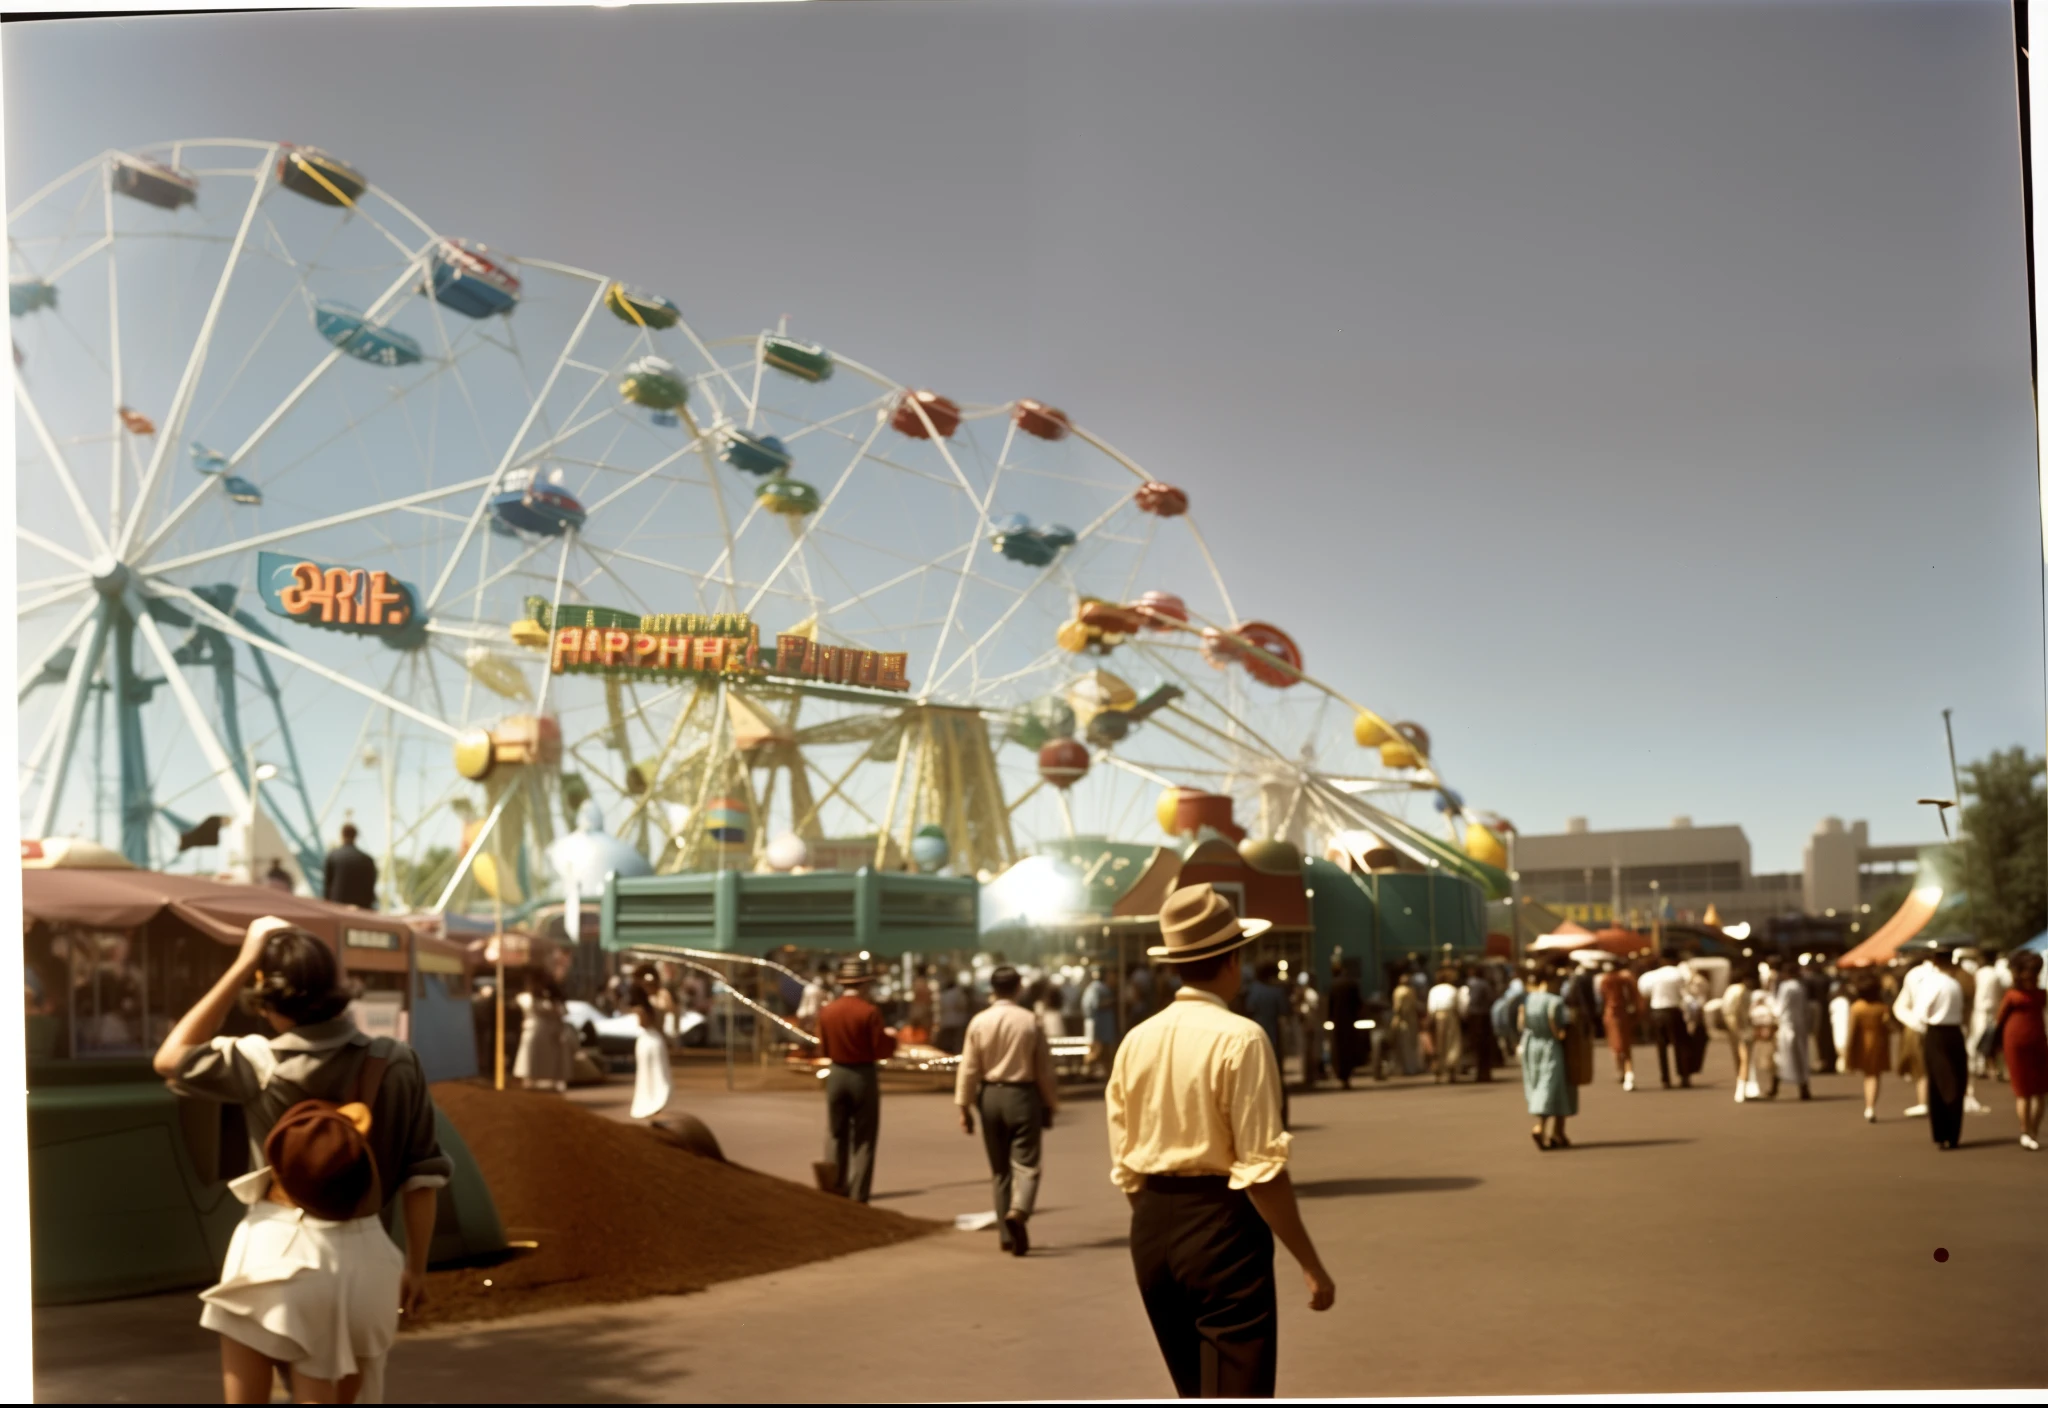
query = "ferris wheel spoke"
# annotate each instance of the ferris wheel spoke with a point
(229, 626)
(188, 384)
(33, 675)
(823, 510)
(533, 411)
(43, 193)
(974, 650)
(60, 467)
(53, 549)
(30, 607)
(224, 772)
(243, 545)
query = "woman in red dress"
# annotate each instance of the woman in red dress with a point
(1621, 1001)
(2026, 1045)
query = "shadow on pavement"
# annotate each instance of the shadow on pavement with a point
(1367, 1187)
(1622, 1143)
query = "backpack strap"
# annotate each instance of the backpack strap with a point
(370, 1075)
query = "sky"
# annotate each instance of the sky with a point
(1636, 396)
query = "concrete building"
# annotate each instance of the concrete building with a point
(1680, 870)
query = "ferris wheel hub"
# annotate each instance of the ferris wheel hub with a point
(110, 576)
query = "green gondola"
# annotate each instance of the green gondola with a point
(799, 359)
(655, 383)
(792, 498)
(641, 308)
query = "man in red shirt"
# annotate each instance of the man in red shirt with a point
(853, 1038)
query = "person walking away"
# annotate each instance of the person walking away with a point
(1308, 1020)
(1621, 1003)
(2024, 1043)
(919, 1021)
(1841, 1003)
(652, 1006)
(1735, 1007)
(1052, 1008)
(1763, 1030)
(853, 1038)
(1098, 1013)
(1869, 1044)
(542, 1062)
(1912, 1063)
(1815, 981)
(350, 875)
(1266, 1004)
(1138, 994)
(1663, 991)
(1993, 982)
(1478, 1019)
(1407, 1026)
(1931, 1003)
(311, 1280)
(1347, 1010)
(952, 1010)
(1006, 1072)
(278, 878)
(1193, 1105)
(1698, 991)
(1795, 1030)
(1506, 1010)
(1446, 1026)
(1544, 1020)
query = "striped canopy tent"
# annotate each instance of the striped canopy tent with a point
(1565, 938)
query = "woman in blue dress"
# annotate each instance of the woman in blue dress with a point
(1544, 1019)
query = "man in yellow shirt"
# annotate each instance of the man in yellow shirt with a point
(1195, 1141)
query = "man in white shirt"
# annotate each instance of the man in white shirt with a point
(1994, 980)
(1006, 1071)
(1446, 1006)
(1931, 1003)
(1663, 991)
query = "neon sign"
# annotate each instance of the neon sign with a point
(597, 640)
(338, 598)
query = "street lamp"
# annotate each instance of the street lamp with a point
(258, 775)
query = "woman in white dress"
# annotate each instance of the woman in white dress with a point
(653, 1006)
(1735, 1020)
(312, 1283)
(1795, 1030)
(543, 1059)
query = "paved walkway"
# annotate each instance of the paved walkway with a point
(1686, 1243)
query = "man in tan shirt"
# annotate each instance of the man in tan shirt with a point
(1006, 1070)
(1195, 1141)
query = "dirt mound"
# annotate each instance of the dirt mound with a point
(620, 1213)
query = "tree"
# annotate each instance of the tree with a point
(2005, 847)
(419, 883)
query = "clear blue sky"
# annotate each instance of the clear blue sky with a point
(1637, 396)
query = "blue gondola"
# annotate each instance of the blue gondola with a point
(1015, 538)
(362, 339)
(241, 490)
(25, 296)
(667, 420)
(757, 454)
(1448, 802)
(464, 275)
(208, 461)
(545, 507)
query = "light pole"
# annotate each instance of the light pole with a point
(1955, 781)
(259, 773)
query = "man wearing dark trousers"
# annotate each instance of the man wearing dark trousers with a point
(853, 1038)
(1006, 1071)
(1663, 991)
(1195, 1142)
(350, 875)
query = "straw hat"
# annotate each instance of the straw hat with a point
(854, 970)
(1198, 923)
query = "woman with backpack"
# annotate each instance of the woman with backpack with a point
(339, 1126)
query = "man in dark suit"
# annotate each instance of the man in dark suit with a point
(351, 874)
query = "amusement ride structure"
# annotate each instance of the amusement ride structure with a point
(765, 605)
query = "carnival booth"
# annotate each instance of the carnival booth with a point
(128, 1182)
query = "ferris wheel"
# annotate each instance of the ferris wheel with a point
(280, 435)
